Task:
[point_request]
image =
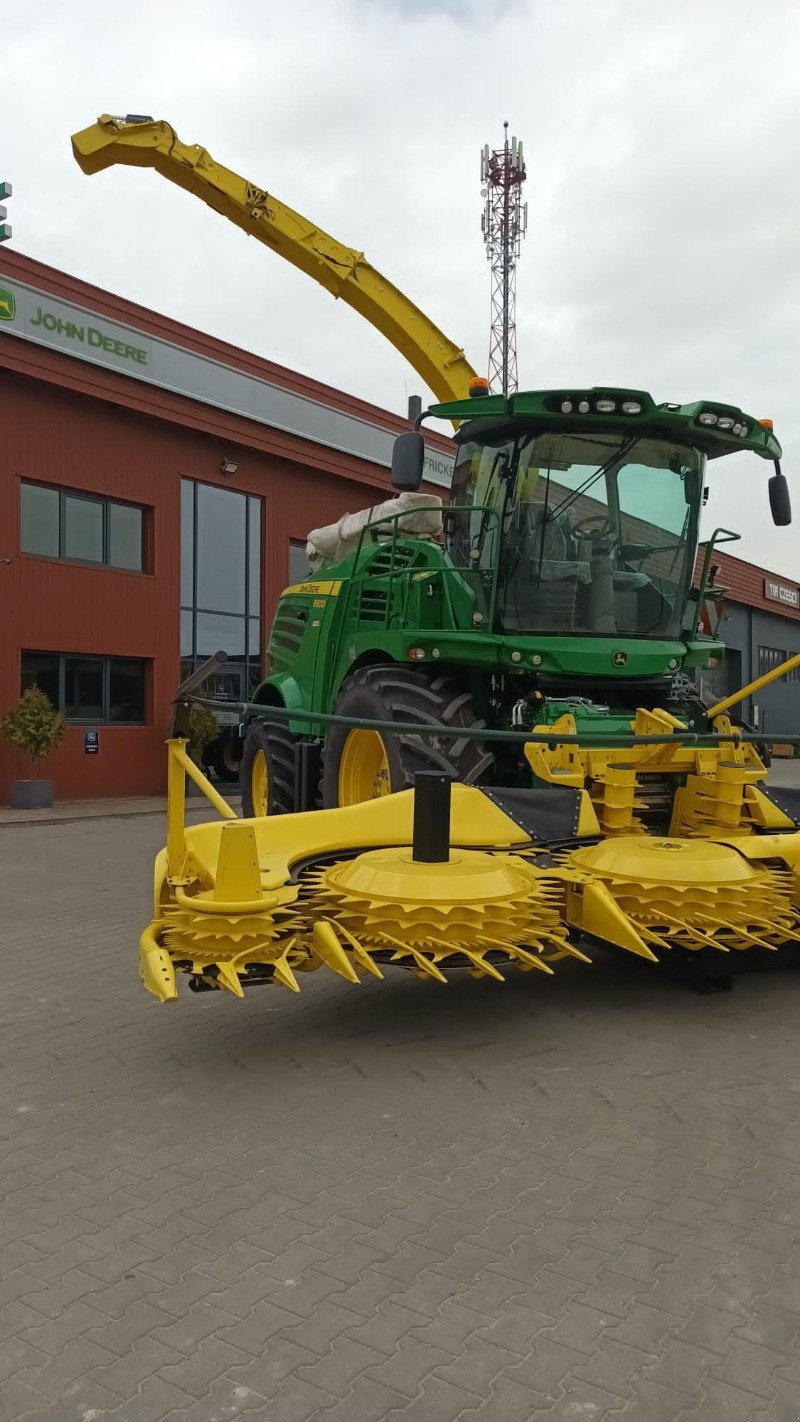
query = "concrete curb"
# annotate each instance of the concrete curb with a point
(18, 819)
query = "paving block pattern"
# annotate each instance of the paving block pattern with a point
(552, 1199)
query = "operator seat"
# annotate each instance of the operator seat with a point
(543, 571)
(639, 604)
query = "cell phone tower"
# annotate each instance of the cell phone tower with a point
(504, 224)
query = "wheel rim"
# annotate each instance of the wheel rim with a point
(363, 769)
(259, 783)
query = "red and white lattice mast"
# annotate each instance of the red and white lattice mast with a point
(504, 223)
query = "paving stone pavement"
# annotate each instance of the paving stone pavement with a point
(568, 1198)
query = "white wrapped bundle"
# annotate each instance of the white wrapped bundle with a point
(336, 540)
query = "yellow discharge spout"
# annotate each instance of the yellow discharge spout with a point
(343, 271)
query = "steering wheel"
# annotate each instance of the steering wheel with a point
(604, 532)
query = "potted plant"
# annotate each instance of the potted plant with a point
(35, 727)
(203, 729)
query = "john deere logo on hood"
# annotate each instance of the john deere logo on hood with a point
(620, 659)
(8, 304)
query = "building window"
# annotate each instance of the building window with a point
(40, 520)
(42, 669)
(83, 689)
(221, 580)
(127, 680)
(83, 530)
(58, 523)
(771, 657)
(125, 536)
(299, 566)
(102, 690)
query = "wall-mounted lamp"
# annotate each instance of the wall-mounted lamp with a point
(229, 466)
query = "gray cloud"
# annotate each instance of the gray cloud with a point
(661, 138)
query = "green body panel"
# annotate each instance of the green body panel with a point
(319, 635)
(403, 600)
(588, 719)
(666, 421)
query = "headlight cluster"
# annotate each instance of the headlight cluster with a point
(603, 406)
(722, 422)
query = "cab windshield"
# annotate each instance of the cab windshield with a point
(593, 534)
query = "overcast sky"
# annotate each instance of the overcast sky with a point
(662, 140)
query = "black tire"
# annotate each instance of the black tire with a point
(218, 757)
(398, 693)
(276, 744)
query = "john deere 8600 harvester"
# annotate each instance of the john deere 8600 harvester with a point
(553, 615)
(480, 741)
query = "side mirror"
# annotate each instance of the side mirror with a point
(408, 457)
(779, 499)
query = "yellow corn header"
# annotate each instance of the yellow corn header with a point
(447, 877)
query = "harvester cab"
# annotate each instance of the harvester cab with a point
(557, 582)
(578, 512)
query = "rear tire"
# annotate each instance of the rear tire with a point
(267, 770)
(362, 765)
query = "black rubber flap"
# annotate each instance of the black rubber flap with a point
(785, 798)
(545, 814)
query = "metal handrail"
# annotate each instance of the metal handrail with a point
(397, 535)
(709, 544)
(548, 738)
(182, 698)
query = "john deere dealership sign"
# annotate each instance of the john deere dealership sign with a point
(35, 315)
(92, 335)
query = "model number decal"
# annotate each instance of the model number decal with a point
(312, 589)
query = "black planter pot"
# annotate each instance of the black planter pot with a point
(31, 794)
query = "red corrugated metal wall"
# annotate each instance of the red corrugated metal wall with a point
(54, 435)
(745, 583)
